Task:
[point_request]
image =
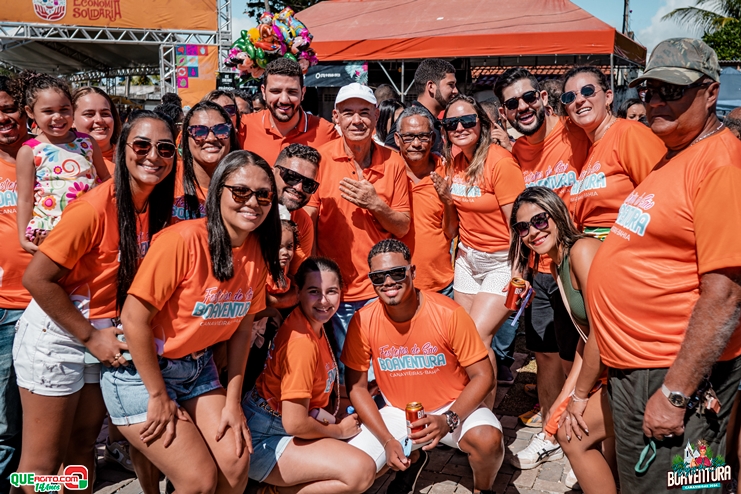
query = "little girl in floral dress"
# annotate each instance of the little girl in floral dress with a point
(57, 166)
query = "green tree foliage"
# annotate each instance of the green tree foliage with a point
(707, 16)
(255, 8)
(726, 41)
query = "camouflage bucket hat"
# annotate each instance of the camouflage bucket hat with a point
(681, 61)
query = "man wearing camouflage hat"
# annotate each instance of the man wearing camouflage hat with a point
(664, 289)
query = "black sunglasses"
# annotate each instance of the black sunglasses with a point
(670, 92)
(292, 178)
(142, 148)
(199, 133)
(467, 121)
(409, 138)
(230, 109)
(587, 91)
(378, 278)
(539, 221)
(242, 194)
(529, 97)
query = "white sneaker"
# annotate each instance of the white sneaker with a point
(571, 481)
(538, 451)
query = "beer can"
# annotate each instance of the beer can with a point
(414, 411)
(516, 288)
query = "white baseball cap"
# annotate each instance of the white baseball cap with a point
(355, 90)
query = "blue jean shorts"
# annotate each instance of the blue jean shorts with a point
(269, 438)
(126, 397)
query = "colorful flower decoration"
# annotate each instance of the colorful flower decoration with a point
(276, 36)
(77, 190)
(49, 203)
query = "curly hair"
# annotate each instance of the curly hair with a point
(26, 87)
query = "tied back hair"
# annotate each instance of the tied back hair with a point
(190, 184)
(159, 206)
(551, 203)
(475, 169)
(28, 84)
(269, 231)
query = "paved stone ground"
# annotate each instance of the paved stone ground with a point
(447, 472)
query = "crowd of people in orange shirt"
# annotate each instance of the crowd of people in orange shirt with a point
(267, 295)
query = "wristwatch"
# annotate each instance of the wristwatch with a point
(452, 419)
(676, 398)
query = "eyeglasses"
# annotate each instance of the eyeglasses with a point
(587, 91)
(242, 194)
(539, 221)
(467, 121)
(423, 138)
(529, 97)
(142, 148)
(378, 278)
(199, 133)
(230, 109)
(292, 178)
(670, 92)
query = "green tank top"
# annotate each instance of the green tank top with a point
(575, 298)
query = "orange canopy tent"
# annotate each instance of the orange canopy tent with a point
(416, 29)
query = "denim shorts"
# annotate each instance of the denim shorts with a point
(126, 397)
(269, 438)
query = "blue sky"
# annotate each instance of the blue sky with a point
(645, 19)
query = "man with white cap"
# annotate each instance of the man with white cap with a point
(363, 198)
(664, 290)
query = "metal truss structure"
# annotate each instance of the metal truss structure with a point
(15, 34)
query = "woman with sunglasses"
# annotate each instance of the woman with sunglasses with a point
(209, 136)
(79, 279)
(201, 284)
(580, 417)
(227, 102)
(623, 151)
(296, 440)
(485, 181)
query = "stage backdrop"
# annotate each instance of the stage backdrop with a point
(197, 15)
(196, 67)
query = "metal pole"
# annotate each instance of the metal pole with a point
(402, 81)
(612, 74)
(626, 17)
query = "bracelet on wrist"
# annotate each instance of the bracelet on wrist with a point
(387, 441)
(576, 398)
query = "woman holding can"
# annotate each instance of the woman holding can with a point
(296, 441)
(485, 180)
(201, 284)
(580, 417)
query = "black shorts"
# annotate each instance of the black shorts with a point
(548, 327)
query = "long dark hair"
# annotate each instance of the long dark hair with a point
(159, 204)
(551, 203)
(386, 110)
(190, 185)
(475, 169)
(269, 231)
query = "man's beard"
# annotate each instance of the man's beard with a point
(281, 117)
(539, 119)
(292, 204)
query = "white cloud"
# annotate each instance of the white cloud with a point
(660, 30)
(240, 22)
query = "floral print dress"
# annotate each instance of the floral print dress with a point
(63, 173)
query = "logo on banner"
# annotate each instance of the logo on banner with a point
(50, 10)
(698, 469)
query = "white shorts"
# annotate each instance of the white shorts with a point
(476, 271)
(48, 360)
(396, 422)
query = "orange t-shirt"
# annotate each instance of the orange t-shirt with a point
(482, 225)
(178, 205)
(195, 310)
(426, 239)
(682, 221)
(618, 162)
(345, 232)
(299, 366)
(86, 242)
(257, 134)
(553, 163)
(109, 158)
(305, 238)
(423, 359)
(273, 288)
(13, 259)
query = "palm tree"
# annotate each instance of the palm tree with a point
(708, 15)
